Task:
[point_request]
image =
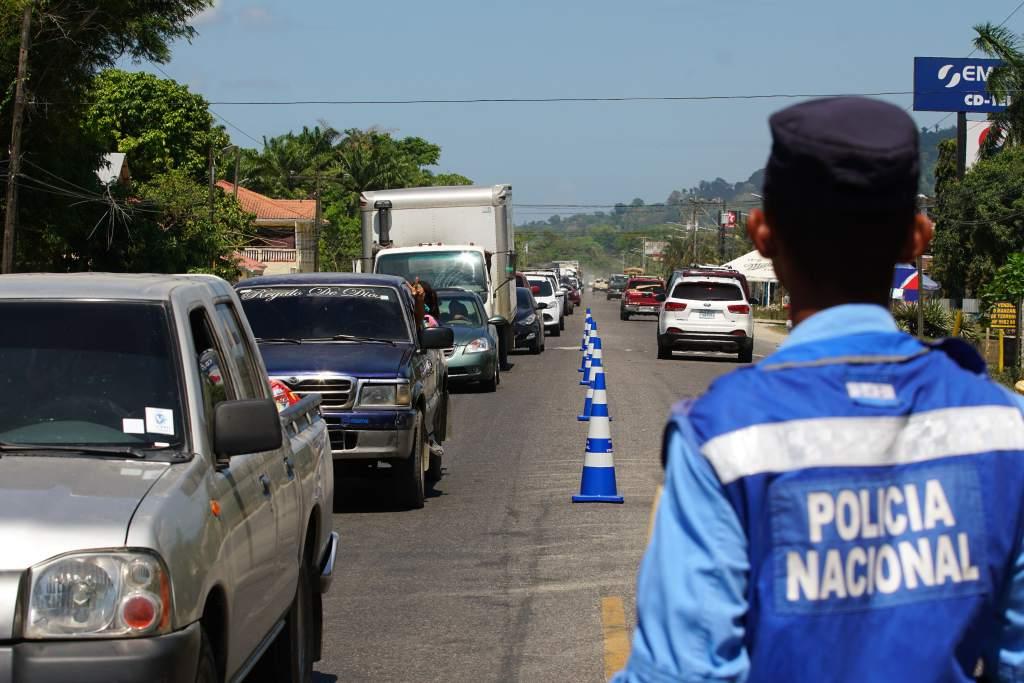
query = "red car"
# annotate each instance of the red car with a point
(643, 296)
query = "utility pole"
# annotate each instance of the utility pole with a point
(920, 278)
(213, 174)
(14, 153)
(721, 234)
(238, 158)
(316, 226)
(643, 253)
(693, 222)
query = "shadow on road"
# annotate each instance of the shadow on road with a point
(324, 678)
(704, 358)
(373, 494)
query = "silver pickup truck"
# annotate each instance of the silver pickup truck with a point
(160, 520)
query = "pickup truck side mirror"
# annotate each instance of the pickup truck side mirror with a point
(245, 427)
(540, 306)
(437, 338)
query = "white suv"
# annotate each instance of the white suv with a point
(706, 313)
(561, 294)
(544, 292)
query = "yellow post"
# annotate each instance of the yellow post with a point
(958, 322)
(1001, 333)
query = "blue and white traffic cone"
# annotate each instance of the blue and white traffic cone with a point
(595, 358)
(588, 401)
(586, 345)
(586, 330)
(598, 482)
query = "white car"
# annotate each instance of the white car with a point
(706, 313)
(561, 294)
(544, 292)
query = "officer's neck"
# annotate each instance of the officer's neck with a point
(811, 303)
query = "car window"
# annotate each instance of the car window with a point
(215, 378)
(524, 298)
(650, 288)
(323, 312)
(459, 310)
(249, 380)
(545, 287)
(707, 291)
(88, 372)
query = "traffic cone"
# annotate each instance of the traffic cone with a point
(589, 400)
(595, 359)
(586, 330)
(597, 484)
(586, 345)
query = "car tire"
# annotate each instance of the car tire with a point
(434, 469)
(535, 346)
(491, 385)
(206, 671)
(623, 315)
(561, 323)
(664, 350)
(746, 354)
(413, 484)
(291, 655)
(556, 331)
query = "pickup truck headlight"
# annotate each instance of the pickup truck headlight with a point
(478, 345)
(99, 595)
(379, 395)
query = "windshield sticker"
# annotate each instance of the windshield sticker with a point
(271, 293)
(132, 426)
(160, 421)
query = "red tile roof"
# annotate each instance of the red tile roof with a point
(266, 208)
(252, 265)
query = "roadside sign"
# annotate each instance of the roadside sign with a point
(728, 219)
(954, 84)
(1003, 316)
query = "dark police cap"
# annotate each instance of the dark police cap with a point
(846, 153)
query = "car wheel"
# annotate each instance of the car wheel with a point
(664, 350)
(556, 331)
(535, 347)
(491, 384)
(206, 672)
(561, 323)
(434, 468)
(290, 656)
(411, 469)
(746, 354)
(623, 315)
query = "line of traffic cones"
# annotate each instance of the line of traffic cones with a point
(597, 484)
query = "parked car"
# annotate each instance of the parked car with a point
(616, 285)
(529, 322)
(599, 285)
(160, 520)
(474, 355)
(705, 312)
(353, 339)
(642, 296)
(544, 293)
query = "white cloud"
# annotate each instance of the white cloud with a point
(210, 15)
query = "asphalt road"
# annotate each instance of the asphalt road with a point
(500, 577)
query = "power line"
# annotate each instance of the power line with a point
(533, 100)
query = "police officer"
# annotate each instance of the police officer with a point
(850, 508)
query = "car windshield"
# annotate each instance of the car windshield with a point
(323, 312)
(112, 381)
(618, 281)
(545, 287)
(707, 291)
(459, 309)
(524, 298)
(649, 288)
(442, 269)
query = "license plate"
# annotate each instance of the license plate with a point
(705, 315)
(647, 309)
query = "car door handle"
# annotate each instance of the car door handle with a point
(289, 468)
(265, 482)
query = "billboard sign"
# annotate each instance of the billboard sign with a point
(954, 84)
(728, 219)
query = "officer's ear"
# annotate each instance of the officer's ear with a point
(760, 233)
(918, 239)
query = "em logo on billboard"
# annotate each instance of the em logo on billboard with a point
(954, 84)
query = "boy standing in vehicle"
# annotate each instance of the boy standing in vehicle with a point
(850, 508)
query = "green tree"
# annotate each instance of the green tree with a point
(979, 222)
(157, 122)
(1005, 82)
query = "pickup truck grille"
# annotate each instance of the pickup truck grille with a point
(336, 392)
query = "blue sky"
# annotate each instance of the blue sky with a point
(568, 152)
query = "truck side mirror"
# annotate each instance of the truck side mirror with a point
(251, 426)
(437, 338)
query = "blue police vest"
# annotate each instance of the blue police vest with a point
(880, 484)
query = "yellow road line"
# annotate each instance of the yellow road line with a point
(616, 635)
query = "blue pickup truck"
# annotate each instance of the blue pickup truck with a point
(354, 340)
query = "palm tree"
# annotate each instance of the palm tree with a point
(1006, 82)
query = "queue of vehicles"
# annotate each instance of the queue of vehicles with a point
(170, 468)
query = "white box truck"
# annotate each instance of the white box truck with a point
(450, 237)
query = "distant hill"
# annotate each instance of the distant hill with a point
(637, 215)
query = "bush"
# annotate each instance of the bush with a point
(938, 321)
